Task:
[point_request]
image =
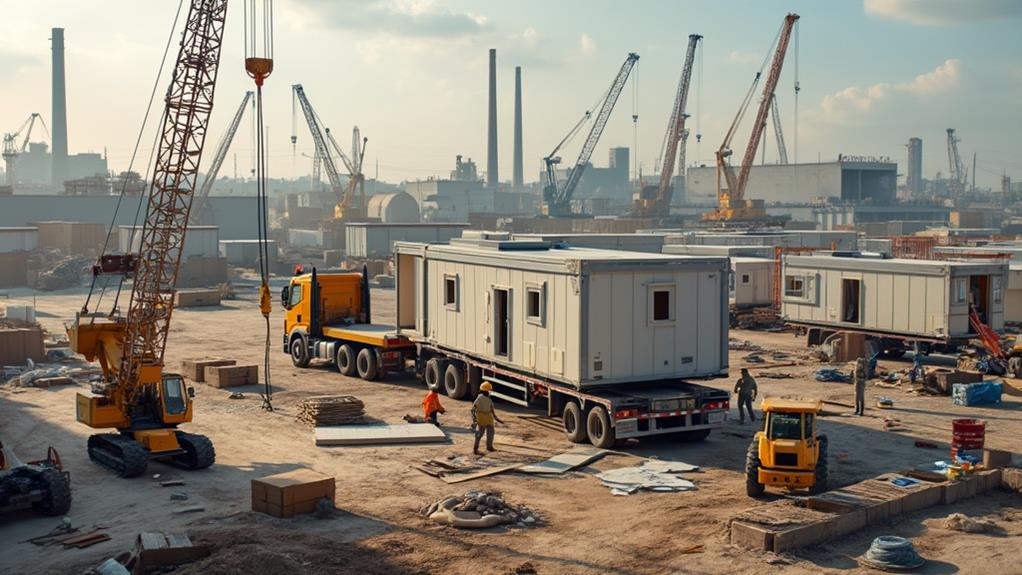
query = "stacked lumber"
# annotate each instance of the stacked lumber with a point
(331, 410)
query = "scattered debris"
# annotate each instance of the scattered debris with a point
(236, 395)
(831, 374)
(86, 540)
(179, 496)
(111, 567)
(891, 552)
(884, 402)
(524, 569)
(652, 475)
(331, 410)
(61, 530)
(962, 522)
(478, 510)
(478, 474)
(904, 482)
(158, 550)
(693, 549)
(775, 375)
(189, 509)
(564, 462)
(926, 445)
(737, 345)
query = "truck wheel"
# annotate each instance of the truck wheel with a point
(345, 360)
(454, 382)
(820, 481)
(753, 488)
(299, 352)
(475, 379)
(366, 363)
(573, 423)
(433, 374)
(58, 492)
(601, 434)
(694, 436)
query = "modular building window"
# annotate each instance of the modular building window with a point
(795, 287)
(451, 292)
(961, 290)
(662, 303)
(998, 296)
(535, 303)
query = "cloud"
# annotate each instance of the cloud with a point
(942, 12)
(744, 57)
(13, 61)
(586, 45)
(840, 106)
(416, 18)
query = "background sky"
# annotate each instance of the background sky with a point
(412, 74)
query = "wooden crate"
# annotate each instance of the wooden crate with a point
(195, 369)
(291, 493)
(231, 375)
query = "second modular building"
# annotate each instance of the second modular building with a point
(580, 316)
(913, 299)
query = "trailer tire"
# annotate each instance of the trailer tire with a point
(432, 374)
(753, 488)
(345, 360)
(366, 364)
(598, 428)
(574, 424)
(299, 351)
(454, 381)
(475, 379)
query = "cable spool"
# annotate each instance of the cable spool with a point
(889, 552)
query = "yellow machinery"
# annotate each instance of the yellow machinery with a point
(137, 401)
(328, 317)
(788, 452)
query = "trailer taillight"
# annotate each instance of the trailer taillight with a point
(716, 405)
(626, 413)
(391, 355)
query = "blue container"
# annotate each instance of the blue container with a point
(981, 393)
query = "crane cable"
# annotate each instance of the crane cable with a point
(259, 68)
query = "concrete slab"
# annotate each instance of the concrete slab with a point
(752, 536)
(564, 462)
(339, 435)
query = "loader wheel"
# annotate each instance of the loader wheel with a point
(58, 492)
(433, 374)
(454, 382)
(601, 434)
(366, 363)
(573, 423)
(753, 488)
(345, 360)
(820, 481)
(299, 352)
(199, 452)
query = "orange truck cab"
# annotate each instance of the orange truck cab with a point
(328, 316)
(788, 452)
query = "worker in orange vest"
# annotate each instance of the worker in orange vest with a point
(431, 407)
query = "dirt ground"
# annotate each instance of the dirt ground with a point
(585, 530)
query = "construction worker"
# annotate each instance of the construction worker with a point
(431, 407)
(917, 370)
(483, 416)
(859, 375)
(747, 390)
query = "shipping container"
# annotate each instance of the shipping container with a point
(650, 243)
(365, 240)
(200, 241)
(751, 282)
(609, 340)
(80, 238)
(20, 239)
(245, 253)
(922, 300)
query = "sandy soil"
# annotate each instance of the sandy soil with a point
(587, 530)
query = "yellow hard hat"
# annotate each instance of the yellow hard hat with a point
(486, 386)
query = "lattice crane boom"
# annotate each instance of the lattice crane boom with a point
(200, 212)
(320, 141)
(775, 115)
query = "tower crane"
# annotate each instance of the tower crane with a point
(201, 212)
(321, 137)
(732, 205)
(11, 149)
(659, 205)
(557, 199)
(956, 167)
(356, 179)
(775, 115)
(136, 399)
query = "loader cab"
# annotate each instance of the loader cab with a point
(788, 452)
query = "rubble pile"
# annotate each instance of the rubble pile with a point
(478, 509)
(64, 273)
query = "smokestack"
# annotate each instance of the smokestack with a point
(491, 163)
(518, 179)
(58, 169)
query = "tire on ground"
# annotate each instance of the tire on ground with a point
(345, 360)
(366, 363)
(58, 492)
(753, 488)
(573, 422)
(598, 428)
(433, 374)
(454, 381)
(299, 351)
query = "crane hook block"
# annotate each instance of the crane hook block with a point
(259, 68)
(264, 299)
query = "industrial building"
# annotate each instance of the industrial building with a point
(835, 217)
(848, 180)
(611, 182)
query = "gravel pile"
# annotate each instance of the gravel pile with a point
(479, 509)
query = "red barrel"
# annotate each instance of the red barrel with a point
(967, 434)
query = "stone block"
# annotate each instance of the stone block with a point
(751, 536)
